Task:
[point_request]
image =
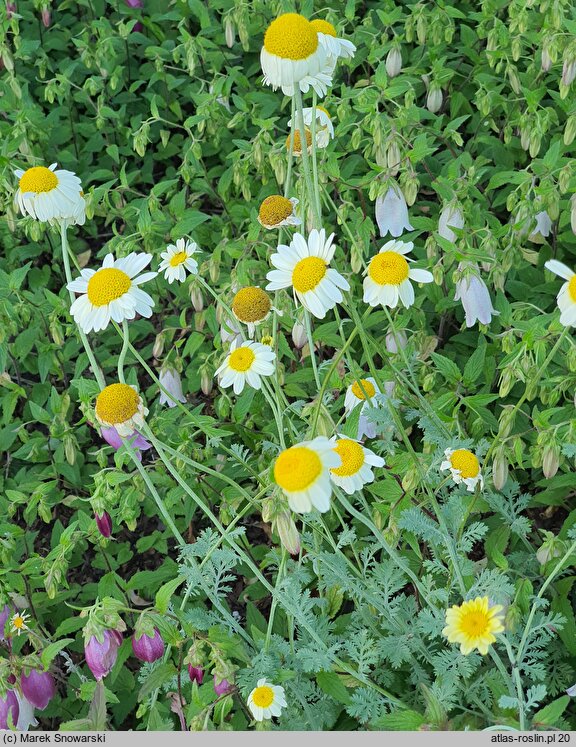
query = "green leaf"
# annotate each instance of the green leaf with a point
(165, 592)
(331, 684)
(161, 674)
(399, 721)
(474, 366)
(52, 650)
(495, 545)
(447, 368)
(549, 715)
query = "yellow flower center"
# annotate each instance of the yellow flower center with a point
(388, 268)
(474, 624)
(352, 455)
(178, 259)
(241, 359)
(117, 403)
(307, 273)
(298, 140)
(466, 462)
(572, 288)
(267, 340)
(18, 622)
(297, 468)
(323, 27)
(274, 210)
(107, 285)
(263, 696)
(38, 179)
(251, 304)
(292, 37)
(368, 387)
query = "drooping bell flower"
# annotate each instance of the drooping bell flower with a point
(392, 213)
(10, 10)
(26, 717)
(135, 3)
(148, 648)
(5, 614)
(9, 710)
(137, 441)
(473, 293)
(542, 229)
(450, 217)
(170, 380)
(104, 524)
(222, 687)
(101, 657)
(196, 674)
(394, 61)
(46, 17)
(38, 687)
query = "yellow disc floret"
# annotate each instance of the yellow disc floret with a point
(263, 696)
(307, 273)
(572, 288)
(388, 268)
(274, 210)
(117, 403)
(291, 37)
(366, 385)
(297, 468)
(251, 305)
(298, 141)
(107, 285)
(466, 462)
(352, 456)
(38, 179)
(323, 27)
(241, 359)
(178, 259)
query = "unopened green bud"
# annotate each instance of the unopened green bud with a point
(550, 460)
(229, 32)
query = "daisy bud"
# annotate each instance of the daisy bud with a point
(288, 533)
(229, 33)
(197, 298)
(473, 293)
(148, 648)
(550, 460)
(450, 217)
(158, 348)
(395, 342)
(9, 710)
(222, 687)
(392, 213)
(299, 337)
(38, 687)
(434, 99)
(394, 61)
(170, 380)
(101, 656)
(104, 524)
(46, 17)
(196, 674)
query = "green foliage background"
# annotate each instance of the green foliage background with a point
(173, 134)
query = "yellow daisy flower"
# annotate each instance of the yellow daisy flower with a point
(120, 406)
(473, 625)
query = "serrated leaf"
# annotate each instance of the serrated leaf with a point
(52, 650)
(331, 684)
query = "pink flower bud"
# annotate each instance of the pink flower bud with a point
(9, 710)
(223, 687)
(38, 687)
(4, 615)
(101, 657)
(10, 9)
(104, 524)
(148, 648)
(196, 674)
(135, 3)
(46, 17)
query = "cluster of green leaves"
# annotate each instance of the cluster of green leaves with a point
(172, 134)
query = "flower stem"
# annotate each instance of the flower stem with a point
(308, 326)
(305, 160)
(122, 356)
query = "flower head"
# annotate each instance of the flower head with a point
(5, 614)
(101, 656)
(38, 688)
(266, 700)
(120, 405)
(542, 229)
(9, 710)
(304, 266)
(18, 622)
(464, 467)
(177, 259)
(26, 716)
(450, 217)
(566, 297)
(148, 648)
(196, 674)
(251, 306)
(388, 276)
(276, 211)
(365, 391)
(297, 146)
(104, 524)
(245, 364)
(112, 292)
(394, 61)
(335, 47)
(473, 625)
(170, 379)
(355, 470)
(392, 213)
(324, 127)
(293, 56)
(473, 292)
(50, 195)
(303, 473)
(222, 687)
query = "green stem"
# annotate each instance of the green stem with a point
(315, 182)
(287, 182)
(517, 683)
(274, 604)
(305, 159)
(122, 356)
(308, 326)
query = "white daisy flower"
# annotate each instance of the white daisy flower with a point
(177, 259)
(50, 196)
(304, 266)
(388, 276)
(566, 297)
(355, 470)
(335, 47)
(365, 391)
(252, 306)
(276, 211)
(112, 292)
(292, 56)
(324, 126)
(266, 700)
(121, 407)
(303, 473)
(464, 467)
(473, 292)
(245, 364)
(19, 622)
(392, 213)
